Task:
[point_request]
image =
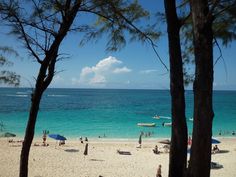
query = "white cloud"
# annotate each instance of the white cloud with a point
(98, 79)
(148, 71)
(122, 70)
(85, 71)
(106, 64)
(101, 73)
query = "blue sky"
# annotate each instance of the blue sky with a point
(133, 67)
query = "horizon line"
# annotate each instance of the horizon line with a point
(111, 88)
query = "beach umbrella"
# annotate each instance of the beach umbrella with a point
(167, 141)
(8, 135)
(86, 149)
(57, 137)
(214, 141)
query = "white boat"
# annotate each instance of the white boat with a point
(190, 119)
(147, 124)
(167, 124)
(156, 117)
(161, 117)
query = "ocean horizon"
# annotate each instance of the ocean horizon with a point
(114, 113)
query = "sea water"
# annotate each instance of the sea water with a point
(110, 112)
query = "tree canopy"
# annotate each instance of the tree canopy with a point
(6, 76)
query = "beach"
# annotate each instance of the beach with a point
(102, 159)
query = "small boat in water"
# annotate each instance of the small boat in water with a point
(161, 117)
(156, 117)
(167, 124)
(146, 124)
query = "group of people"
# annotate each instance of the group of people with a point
(226, 133)
(104, 136)
(85, 139)
(147, 134)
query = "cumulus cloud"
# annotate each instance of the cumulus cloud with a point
(148, 71)
(122, 70)
(101, 72)
(98, 79)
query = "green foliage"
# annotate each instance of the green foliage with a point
(8, 77)
(224, 29)
(224, 25)
(118, 19)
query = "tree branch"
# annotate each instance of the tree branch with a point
(26, 39)
(221, 56)
(143, 34)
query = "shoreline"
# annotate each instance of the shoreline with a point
(121, 139)
(108, 139)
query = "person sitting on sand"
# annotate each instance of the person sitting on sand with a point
(215, 149)
(62, 142)
(159, 171)
(156, 151)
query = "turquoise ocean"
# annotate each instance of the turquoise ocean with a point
(113, 112)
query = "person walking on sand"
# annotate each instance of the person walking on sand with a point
(159, 171)
(140, 141)
(44, 137)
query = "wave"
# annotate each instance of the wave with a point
(17, 95)
(57, 95)
(165, 117)
(20, 93)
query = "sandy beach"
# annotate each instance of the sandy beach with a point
(102, 159)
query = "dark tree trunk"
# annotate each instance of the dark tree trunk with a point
(44, 78)
(29, 134)
(178, 149)
(203, 113)
(42, 83)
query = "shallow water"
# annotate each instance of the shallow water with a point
(113, 112)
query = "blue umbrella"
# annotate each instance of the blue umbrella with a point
(57, 137)
(214, 141)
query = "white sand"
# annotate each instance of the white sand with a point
(102, 159)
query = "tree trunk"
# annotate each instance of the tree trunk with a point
(178, 149)
(44, 78)
(42, 83)
(203, 113)
(36, 97)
